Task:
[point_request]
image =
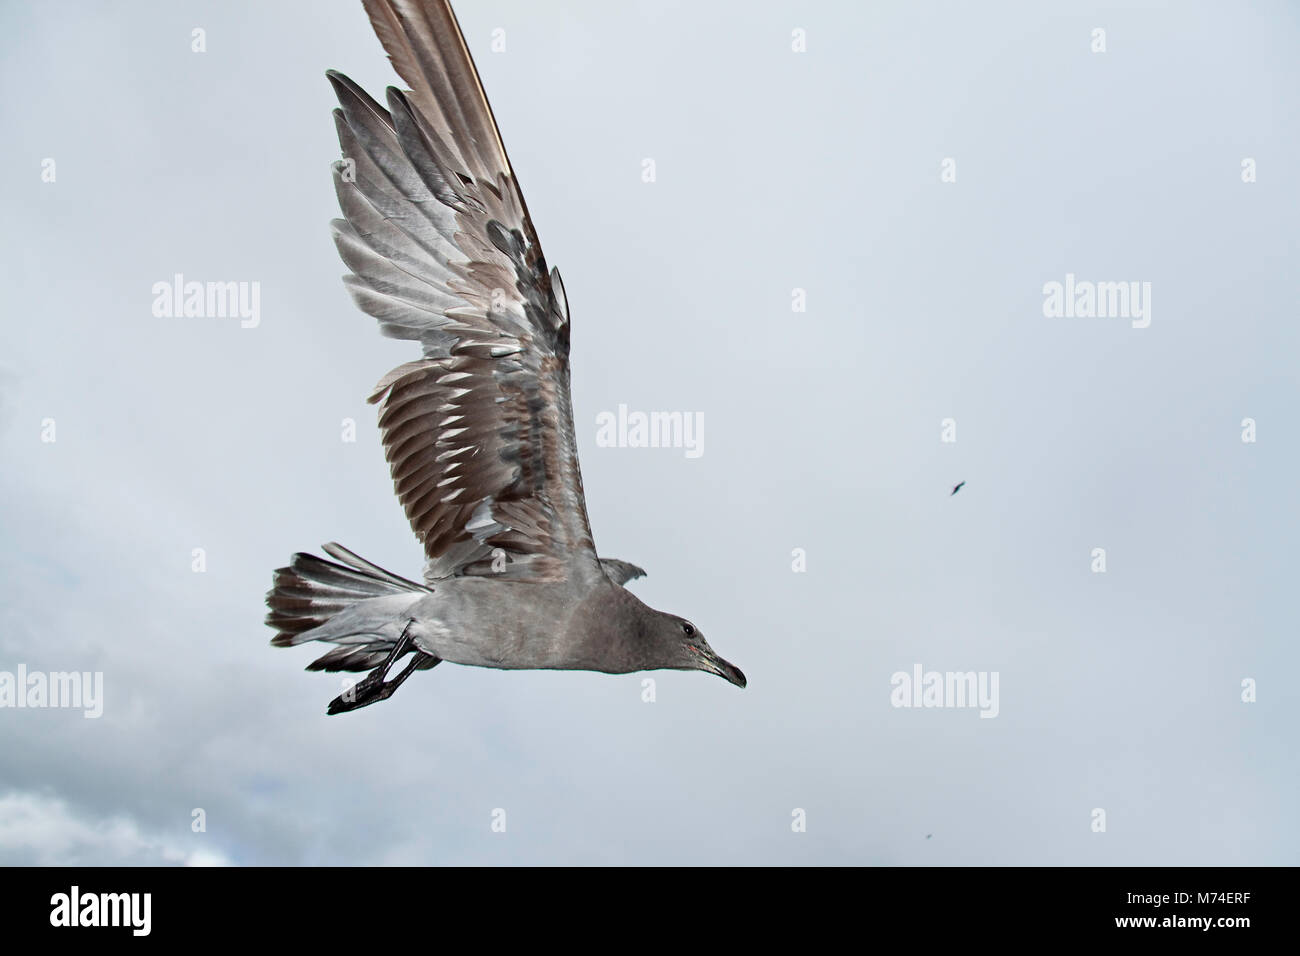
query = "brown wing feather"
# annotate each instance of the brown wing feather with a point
(479, 433)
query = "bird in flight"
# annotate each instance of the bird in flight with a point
(478, 430)
(956, 488)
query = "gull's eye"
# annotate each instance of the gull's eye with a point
(686, 626)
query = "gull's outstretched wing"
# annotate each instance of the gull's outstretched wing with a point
(479, 432)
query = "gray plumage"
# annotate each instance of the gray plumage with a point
(478, 431)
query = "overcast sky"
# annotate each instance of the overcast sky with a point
(775, 171)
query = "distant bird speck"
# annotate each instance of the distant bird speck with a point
(957, 488)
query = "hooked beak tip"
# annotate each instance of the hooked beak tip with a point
(732, 674)
(716, 665)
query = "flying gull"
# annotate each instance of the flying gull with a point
(478, 431)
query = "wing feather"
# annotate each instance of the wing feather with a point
(479, 431)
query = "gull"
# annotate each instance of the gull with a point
(478, 431)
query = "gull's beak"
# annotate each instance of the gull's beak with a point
(711, 662)
(726, 670)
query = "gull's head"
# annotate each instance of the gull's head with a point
(690, 651)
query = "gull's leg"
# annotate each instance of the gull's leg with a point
(374, 687)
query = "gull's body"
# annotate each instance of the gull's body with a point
(478, 431)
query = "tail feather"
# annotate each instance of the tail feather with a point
(311, 591)
(336, 550)
(348, 658)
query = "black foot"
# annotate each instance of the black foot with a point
(374, 688)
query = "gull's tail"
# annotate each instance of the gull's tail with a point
(356, 605)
